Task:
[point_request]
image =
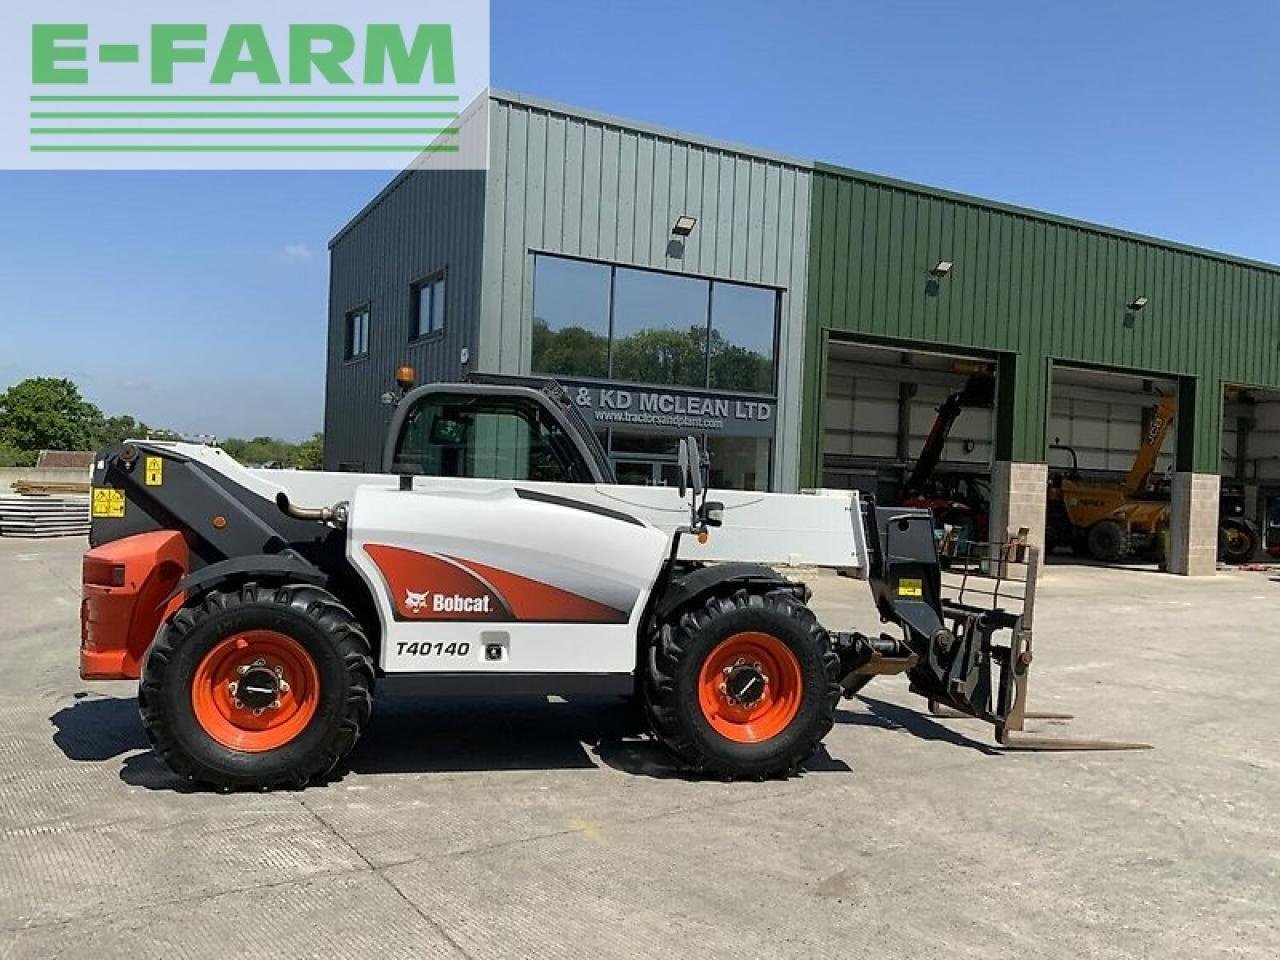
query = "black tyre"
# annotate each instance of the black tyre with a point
(743, 685)
(1237, 541)
(257, 686)
(1108, 541)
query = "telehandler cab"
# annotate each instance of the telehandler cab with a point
(496, 554)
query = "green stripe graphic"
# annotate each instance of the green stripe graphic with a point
(186, 131)
(232, 115)
(240, 148)
(243, 99)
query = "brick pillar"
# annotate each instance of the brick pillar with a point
(1018, 492)
(1193, 524)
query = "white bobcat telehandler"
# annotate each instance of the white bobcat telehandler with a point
(497, 554)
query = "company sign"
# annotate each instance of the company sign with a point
(159, 84)
(658, 410)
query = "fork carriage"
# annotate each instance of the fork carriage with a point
(967, 622)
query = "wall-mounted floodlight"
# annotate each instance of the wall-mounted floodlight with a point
(684, 226)
(1137, 303)
(941, 269)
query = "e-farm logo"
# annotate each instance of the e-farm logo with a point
(151, 88)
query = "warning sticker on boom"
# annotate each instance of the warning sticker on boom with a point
(107, 502)
(910, 588)
(154, 471)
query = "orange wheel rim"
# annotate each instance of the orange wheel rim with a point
(255, 691)
(749, 687)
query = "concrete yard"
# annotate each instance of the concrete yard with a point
(533, 829)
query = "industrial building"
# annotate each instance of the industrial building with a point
(806, 320)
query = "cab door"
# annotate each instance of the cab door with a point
(490, 563)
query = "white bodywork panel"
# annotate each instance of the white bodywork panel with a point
(486, 535)
(561, 558)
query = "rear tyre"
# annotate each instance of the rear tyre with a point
(1108, 541)
(1236, 541)
(744, 685)
(260, 686)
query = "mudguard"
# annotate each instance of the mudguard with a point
(275, 566)
(698, 583)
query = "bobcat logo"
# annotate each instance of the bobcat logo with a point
(416, 602)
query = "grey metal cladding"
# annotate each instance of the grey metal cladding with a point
(426, 221)
(571, 182)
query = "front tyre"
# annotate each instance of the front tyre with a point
(744, 685)
(258, 686)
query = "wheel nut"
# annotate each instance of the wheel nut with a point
(284, 687)
(257, 712)
(237, 704)
(242, 669)
(275, 704)
(232, 687)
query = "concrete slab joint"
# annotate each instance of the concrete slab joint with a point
(1018, 492)
(1193, 524)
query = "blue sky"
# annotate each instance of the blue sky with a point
(198, 301)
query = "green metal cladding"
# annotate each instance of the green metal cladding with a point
(1031, 290)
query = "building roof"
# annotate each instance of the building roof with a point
(65, 459)
(816, 166)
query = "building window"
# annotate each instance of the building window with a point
(571, 317)
(646, 326)
(744, 322)
(356, 338)
(659, 328)
(428, 307)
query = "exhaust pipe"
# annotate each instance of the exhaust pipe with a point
(335, 516)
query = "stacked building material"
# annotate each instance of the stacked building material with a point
(51, 486)
(44, 515)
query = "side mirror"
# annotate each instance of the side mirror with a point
(682, 467)
(695, 466)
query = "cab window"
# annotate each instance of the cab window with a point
(495, 438)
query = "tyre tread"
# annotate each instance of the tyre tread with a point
(666, 653)
(315, 603)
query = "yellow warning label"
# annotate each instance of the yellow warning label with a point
(107, 502)
(154, 472)
(910, 588)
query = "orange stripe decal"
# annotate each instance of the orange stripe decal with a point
(429, 587)
(534, 600)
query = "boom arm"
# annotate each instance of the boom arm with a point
(1149, 452)
(978, 391)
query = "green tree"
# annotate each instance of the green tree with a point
(47, 413)
(118, 429)
(261, 451)
(738, 368)
(569, 351)
(11, 456)
(309, 454)
(659, 355)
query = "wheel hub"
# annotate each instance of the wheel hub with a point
(258, 687)
(745, 683)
